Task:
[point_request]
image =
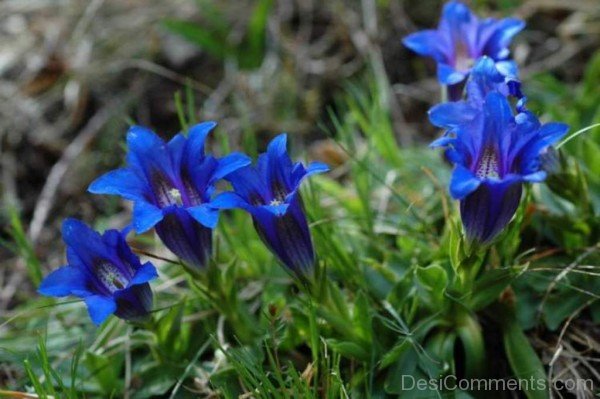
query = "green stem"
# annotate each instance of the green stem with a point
(244, 328)
(471, 336)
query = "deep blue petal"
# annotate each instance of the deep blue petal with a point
(185, 237)
(84, 245)
(145, 216)
(100, 307)
(77, 234)
(148, 153)
(499, 37)
(197, 138)
(447, 75)
(176, 147)
(123, 182)
(62, 282)
(498, 117)
(277, 210)
(536, 177)
(279, 167)
(552, 132)
(229, 164)
(205, 214)
(316, 167)
(299, 172)
(450, 115)
(250, 185)
(487, 211)
(426, 43)
(287, 236)
(145, 273)
(134, 303)
(199, 180)
(456, 13)
(463, 182)
(508, 68)
(229, 200)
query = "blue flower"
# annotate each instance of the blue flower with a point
(461, 38)
(484, 79)
(494, 152)
(171, 186)
(104, 272)
(270, 193)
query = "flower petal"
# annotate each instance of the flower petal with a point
(100, 307)
(197, 138)
(229, 200)
(427, 43)
(205, 214)
(122, 182)
(229, 164)
(185, 237)
(447, 75)
(149, 154)
(62, 282)
(145, 216)
(487, 211)
(249, 185)
(450, 115)
(144, 274)
(497, 37)
(277, 210)
(134, 303)
(536, 177)
(463, 182)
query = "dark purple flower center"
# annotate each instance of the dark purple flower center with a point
(164, 191)
(462, 57)
(111, 277)
(167, 193)
(279, 191)
(488, 165)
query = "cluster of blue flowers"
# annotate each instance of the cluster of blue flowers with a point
(494, 142)
(172, 188)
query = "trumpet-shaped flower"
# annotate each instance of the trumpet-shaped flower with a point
(171, 186)
(461, 38)
(494, 153)
(104, 272)
(270, 193)
(484, 79)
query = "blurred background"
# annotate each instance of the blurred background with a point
(74, 74)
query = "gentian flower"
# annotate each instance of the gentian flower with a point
(171, 186)
(461, 38)
(485, 78)
(270, 193)
(494, 153)
(104, 272)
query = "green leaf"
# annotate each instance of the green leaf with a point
(362, 318)
(489, 286)
(173, 341)
(393, 354)
(105, 370)
(523, 360)
(203, 38)
(227, 381)
(433, 280)
(471, 336)
(349, 349)
(251, 51)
